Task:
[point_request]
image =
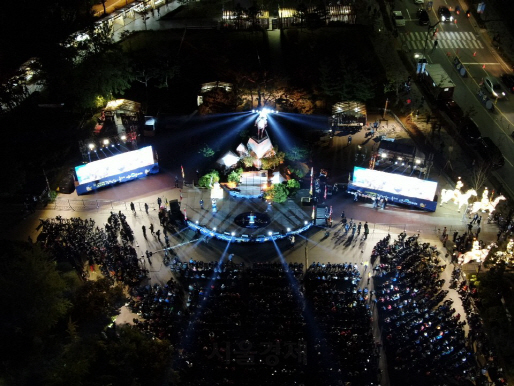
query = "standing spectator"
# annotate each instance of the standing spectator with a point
(146, 208)
(151, 229)
(144, 231)
(132, 207)
(159, 201)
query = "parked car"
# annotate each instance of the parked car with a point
(469, 130)
(423, 17)
(493, 87)
(445, 14)
(398, 18)
(508, 81)
(452, 109)
(490, 153)
(419, 1)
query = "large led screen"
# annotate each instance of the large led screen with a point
(112, 166)
(394, 183)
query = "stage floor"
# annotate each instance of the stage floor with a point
(289, 214)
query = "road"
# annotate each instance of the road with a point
(465, 40)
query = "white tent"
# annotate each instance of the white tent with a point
(229, 159)
(260, 147)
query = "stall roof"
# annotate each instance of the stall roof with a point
(123, 105)
(356, 109)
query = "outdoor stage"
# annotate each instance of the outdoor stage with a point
(231, 221)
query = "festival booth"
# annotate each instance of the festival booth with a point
(348, 115)
(116, 169)
(396, 188)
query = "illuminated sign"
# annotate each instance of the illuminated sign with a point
(117, 169)
(396, 188)
(115, 165)
(394, 183)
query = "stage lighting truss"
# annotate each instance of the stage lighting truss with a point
(265, 111)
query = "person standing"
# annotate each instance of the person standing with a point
(144, 231)
(158, 234)
(146, 208)
(159, 202)
(132, 207)
(349, 140)
(478, 232)
(176, 182)
(151, 229)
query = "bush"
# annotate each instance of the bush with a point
(208, 180)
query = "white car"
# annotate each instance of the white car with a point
(398, 19)
(492, 85)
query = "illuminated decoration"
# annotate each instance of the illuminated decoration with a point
(476, 254)
(456, 195)
(262, 123)
(485, 205)
(116, 169)
(216, 192)
(261, 148)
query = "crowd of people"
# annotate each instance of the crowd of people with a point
(287, 325)
(423, 335)
(85, 245)
(271, 321)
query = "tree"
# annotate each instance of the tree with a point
(206, 151)
(277, 193)
(217, 101)
(96, 300)
(479, 174)
(33, 302)
(301, 12)
(235, 175)
(297, 153)
(248, 161)
(208, 180)
(254, 12)
(293, 185)
(29, 278)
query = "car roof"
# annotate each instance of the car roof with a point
(397, 13)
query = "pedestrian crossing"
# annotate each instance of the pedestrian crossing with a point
(417, 40)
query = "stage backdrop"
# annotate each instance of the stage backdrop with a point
(397, 188)
(116, 169)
